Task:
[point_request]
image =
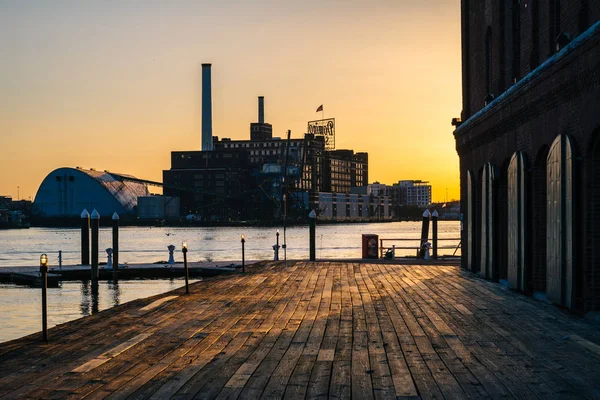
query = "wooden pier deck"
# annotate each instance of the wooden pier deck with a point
(307, 330)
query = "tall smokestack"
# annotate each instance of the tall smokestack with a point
(207, 144)
(261, 109)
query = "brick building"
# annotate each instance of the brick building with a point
(244, 179)
(529, 146)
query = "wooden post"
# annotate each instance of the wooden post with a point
(85, 237)
(434, 233)
(95, 230)
(115, 240)
(424, 231)
(312, 218)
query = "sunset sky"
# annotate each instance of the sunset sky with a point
(116, 84)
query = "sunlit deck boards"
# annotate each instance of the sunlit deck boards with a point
(315, 330)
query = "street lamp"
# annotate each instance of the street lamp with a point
(284, 227)
(44, 277)
(184, 249)
(243, 255)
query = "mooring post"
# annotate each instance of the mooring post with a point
(109, 252)
(44, 278)
(171, 249)
(85, 237)
(424, 232)
(434, 233)
(312, 218)
(115, 240)
(95, 230)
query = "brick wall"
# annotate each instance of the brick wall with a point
(539, 27)
(564, 99)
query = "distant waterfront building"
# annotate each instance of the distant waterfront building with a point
(414, 193)
(404, 193)
(378, 189)
(65, 192)
(353, 207)
(529, 145)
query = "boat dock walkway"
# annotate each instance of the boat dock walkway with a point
(31, 275)
(327, 329)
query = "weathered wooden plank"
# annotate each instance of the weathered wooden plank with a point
(305, 330)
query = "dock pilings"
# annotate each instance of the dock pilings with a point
(95, 217)
(434, 233)
(115, 240)
(85, 237)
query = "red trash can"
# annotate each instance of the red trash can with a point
(370, 246)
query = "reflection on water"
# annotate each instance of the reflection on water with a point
(142, 244)
(85, 298)
(113, 288)
(21, 307)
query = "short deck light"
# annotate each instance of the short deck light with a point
(44, 260)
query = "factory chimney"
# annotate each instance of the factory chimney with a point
(207, 143)
(261, 109)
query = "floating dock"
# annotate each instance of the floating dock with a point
(325, 329)
(31, 276)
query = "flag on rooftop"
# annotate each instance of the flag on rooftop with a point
(320, 108)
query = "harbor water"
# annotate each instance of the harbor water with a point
(20, 306)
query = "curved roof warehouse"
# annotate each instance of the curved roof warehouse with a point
(65, 192)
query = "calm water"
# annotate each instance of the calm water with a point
(20, 306)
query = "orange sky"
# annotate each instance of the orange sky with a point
(116, 85)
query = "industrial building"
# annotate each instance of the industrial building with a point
(528, 140)
(65, 192)
(259, 178)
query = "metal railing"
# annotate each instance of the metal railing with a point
(383, 249)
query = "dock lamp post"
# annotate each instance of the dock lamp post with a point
(284, 227)
(44, 277)
(277, 246)
(243, 254)
(184, 249)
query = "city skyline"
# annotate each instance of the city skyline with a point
(117, 87)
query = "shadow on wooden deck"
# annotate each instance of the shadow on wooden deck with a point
(336, 329)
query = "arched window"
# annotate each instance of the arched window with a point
(516, 222)
(487, 222)
(559, 217)
(488, 61)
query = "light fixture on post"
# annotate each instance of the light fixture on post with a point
(277, 246)
(284, 227)
(44, 278)
(184, 250)
(243, 255)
